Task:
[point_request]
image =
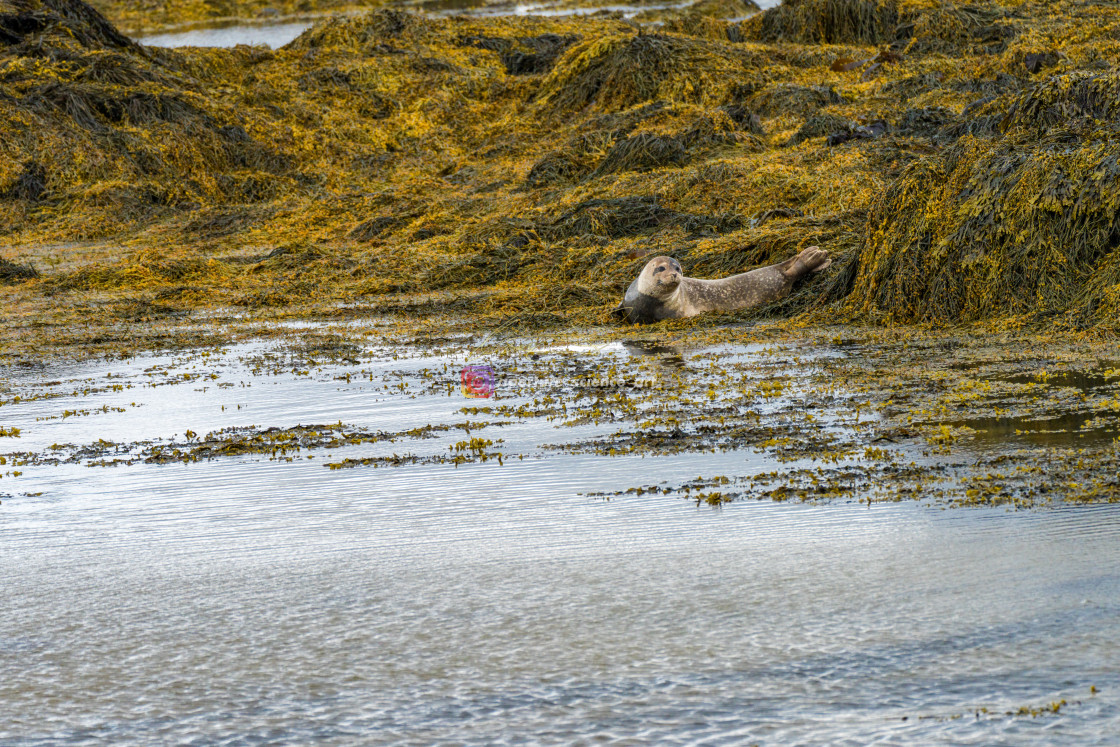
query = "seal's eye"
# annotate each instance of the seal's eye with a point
(659, 269)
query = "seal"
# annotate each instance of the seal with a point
(662, 291)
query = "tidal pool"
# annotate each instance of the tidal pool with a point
(230, 33)
(219, 546)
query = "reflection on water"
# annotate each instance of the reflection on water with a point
(265, 599)
(1081, 380)
(1064, 430)
(667, 354)
(1068, 429)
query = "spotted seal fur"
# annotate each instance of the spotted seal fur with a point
(662, 291)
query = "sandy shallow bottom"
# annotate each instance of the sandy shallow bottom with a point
(261, 596)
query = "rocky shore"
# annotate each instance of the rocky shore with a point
(957, 160)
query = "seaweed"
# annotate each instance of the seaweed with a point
(913, 25)
(912, 86)
(722, 8)
(927, 122)
(820, 125)
(1036, 62)
(94, 108)
(15, 27)
(851, 131)
(522, 168)
(745, 119)
(571, 163)
(490, 265)
(21, 20)
(788, 98)
(1076, 100)
(650, 150)
(1023, 224)
(11, 272)
(623, 70)
(951, 28)
(630, 216)
(867, 22)
(525, 55)
(30, 186)
(668, 136)
(372, 228)
(217, 222)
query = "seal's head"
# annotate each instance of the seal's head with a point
(660, 277)
(653, 295)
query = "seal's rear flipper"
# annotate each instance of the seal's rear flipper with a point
(813, 259)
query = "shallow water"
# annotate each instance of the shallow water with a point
(272, 35)
(275, 35)
(261, 599)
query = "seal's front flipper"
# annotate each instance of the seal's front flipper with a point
(621, 313)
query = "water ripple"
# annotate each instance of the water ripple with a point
(247, 601)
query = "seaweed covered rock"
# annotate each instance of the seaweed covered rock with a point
(391, 152)
(29, 186)
(828, 22)
(723, 8)
(981, 28)
(918, 26)
(101, 123)
(24, 21)
(791, 99)
(820, 125)
(651, 136)
(650, 150)
(525, 55)
(370, 32)
(629, 216)
(1027, 223)
(710, 19)
(11, 272)
(622, 70)
(571, 163)
(926, 121)
(146, 16)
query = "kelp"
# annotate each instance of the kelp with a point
(573, 162)
(651, 150)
